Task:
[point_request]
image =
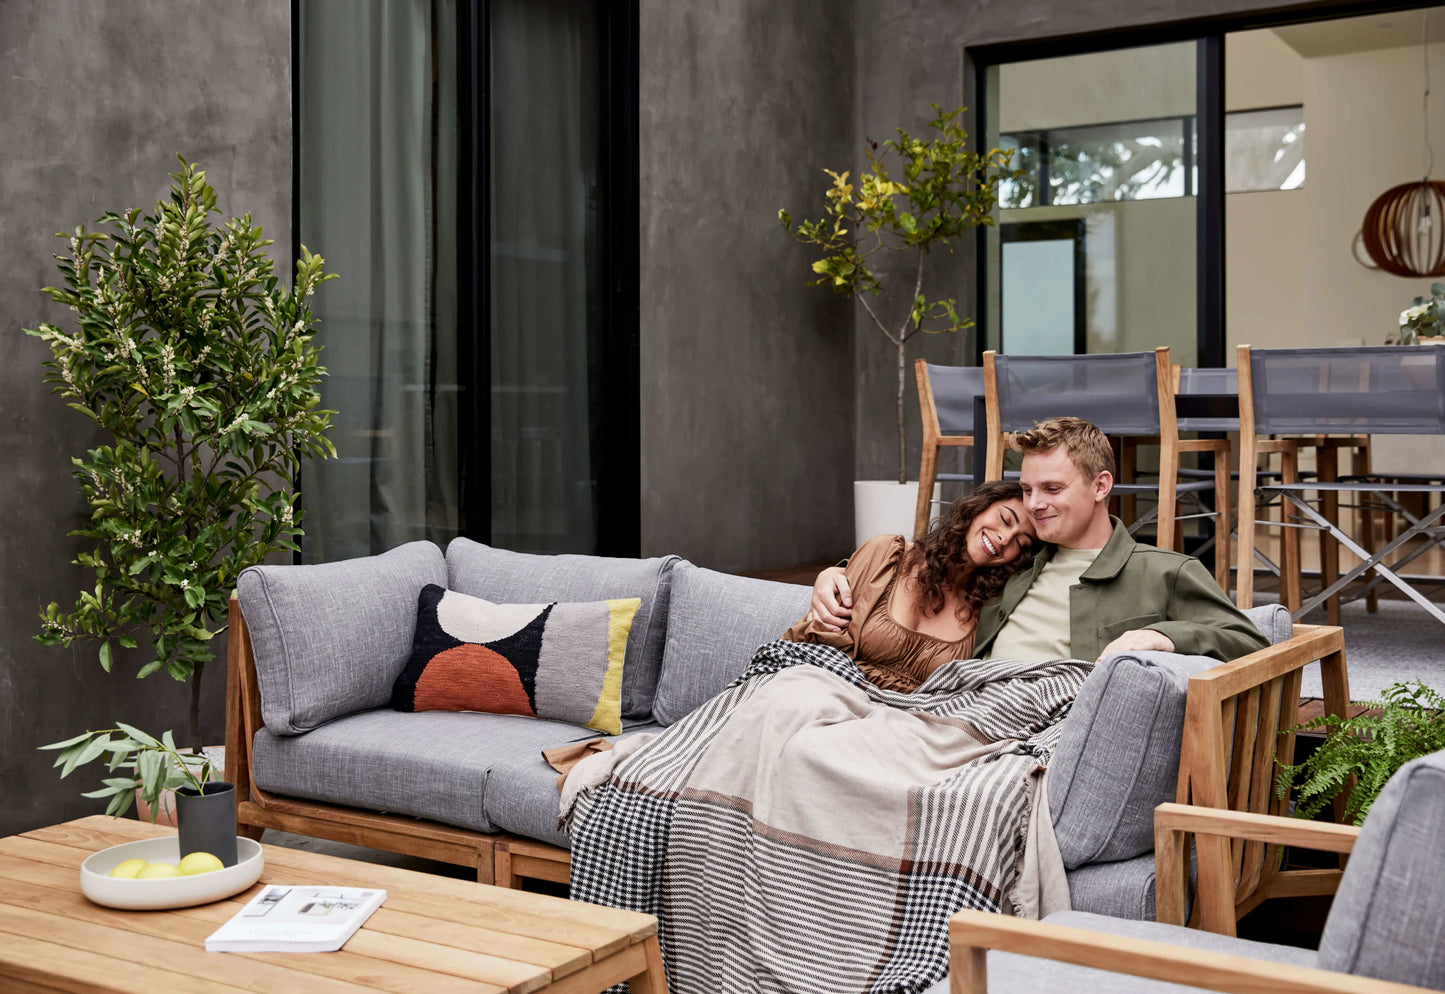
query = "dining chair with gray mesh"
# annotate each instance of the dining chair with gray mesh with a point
(946, 396)
(1127, 395)
(1380, 390)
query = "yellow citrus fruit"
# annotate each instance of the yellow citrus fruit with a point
(154, 871)
(199, 862)
(129, 868)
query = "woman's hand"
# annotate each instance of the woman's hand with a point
(1138, 640)
(832, 604)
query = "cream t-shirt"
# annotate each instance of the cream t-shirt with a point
(1038, 628)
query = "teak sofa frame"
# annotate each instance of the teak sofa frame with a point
(1233, 716)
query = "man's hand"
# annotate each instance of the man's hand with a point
(1133, 641)
(832, 603)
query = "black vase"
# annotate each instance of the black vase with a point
(206, 820)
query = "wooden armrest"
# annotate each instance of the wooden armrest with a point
(972, 933)
(1276, 830)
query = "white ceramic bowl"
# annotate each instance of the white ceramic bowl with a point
(166, 892)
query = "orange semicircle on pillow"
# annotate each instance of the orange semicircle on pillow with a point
(471, 678)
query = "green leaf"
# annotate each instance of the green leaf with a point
(105, 656)
(68, 742)
(135, 733)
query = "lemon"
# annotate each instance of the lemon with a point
(128, 869)
(154, 871)
(199, 862)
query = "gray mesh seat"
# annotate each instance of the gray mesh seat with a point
(1384, 390)
(946, 398)
(1127, 395)
(1384, 924)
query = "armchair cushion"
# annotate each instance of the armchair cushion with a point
(1118, 755)
(1009, 973)
(521, 578)
(330, 640)
(1386, 920)
(1273, 622)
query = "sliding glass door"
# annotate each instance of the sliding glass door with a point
(464, 168)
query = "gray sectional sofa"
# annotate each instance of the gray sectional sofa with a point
(314, 746)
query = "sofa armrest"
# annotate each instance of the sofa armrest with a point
(1234, 722)
(972, 933)
(1173, 822)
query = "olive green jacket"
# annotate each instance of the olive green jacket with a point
(1133, 586)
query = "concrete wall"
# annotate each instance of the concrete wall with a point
(96, 99)
(747, 448)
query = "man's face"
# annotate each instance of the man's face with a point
(1064, 504)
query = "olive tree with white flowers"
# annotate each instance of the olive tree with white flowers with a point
(200, 366)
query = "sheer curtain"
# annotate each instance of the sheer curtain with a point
(378, 155)
(545, 289)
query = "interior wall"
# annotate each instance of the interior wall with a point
(746, 371)
(96, 101)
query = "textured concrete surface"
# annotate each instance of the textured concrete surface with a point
(747, 450)
(96, 100)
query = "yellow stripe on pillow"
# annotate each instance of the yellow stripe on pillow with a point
(607, 717)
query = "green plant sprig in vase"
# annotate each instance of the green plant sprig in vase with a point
(155, 765)
(1424, 318)
(1360, 754)
(200, 367)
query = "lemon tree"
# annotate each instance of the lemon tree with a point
(940, 191)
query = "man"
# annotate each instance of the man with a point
(1092, 590)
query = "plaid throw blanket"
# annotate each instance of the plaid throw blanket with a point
(808, 831)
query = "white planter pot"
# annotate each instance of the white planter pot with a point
(884, 507)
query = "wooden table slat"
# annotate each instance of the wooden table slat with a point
(196, 923)
(29, 965)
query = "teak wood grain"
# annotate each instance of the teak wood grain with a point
(433, 934)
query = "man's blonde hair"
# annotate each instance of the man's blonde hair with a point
(1087, 447)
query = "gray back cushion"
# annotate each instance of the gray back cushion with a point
(1118, 755)
(714, 624)
(505, 577)
(1388, 917)
(331, 639)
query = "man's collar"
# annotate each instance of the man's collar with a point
(1113, 556)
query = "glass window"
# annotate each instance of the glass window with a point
(1101, 163)
(1264, 150)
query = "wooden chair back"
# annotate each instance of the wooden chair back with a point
(947, 422)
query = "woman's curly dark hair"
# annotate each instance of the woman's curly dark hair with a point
(939, 562)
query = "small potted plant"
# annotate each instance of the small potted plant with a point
(1361, 753)
(151, 767)
(1423, 322)
(941, 192)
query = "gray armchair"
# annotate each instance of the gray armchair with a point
(1383, 935)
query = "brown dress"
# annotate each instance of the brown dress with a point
(890, 655)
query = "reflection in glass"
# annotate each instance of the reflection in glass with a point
(1264, 150)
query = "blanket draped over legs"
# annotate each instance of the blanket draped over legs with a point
(805, 830)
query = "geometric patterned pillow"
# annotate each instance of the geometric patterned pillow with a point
(560, 661)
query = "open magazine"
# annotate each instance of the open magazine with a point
(296, 920)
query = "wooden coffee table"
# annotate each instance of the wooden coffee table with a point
(433, 935)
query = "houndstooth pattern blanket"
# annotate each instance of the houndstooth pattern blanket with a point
(807, 831)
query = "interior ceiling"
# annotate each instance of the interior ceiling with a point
(1363, 34)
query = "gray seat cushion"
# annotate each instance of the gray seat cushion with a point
(330, 640)
(715, 622)
(435, 764)
(1118, 755)
(1013, 974)
(505, 577)
(522, 792)
(1388, 916)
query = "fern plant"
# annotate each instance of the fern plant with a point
(1361, 753)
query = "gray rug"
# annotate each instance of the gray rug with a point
(1399, 642)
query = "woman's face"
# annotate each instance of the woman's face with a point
(1001, 534)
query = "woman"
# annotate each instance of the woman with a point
(915, 605)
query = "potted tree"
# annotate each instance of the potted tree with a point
(941, 191)
(198, 364)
